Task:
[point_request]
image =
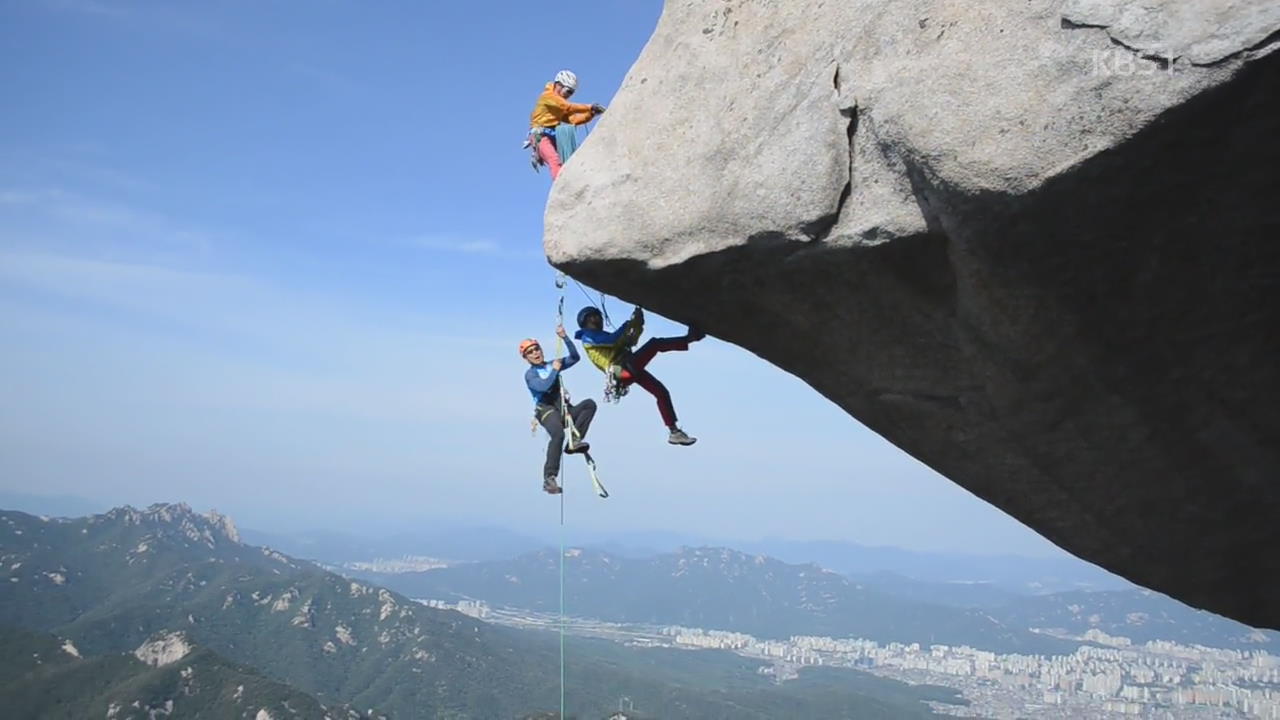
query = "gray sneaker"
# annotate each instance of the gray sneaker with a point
(549, 485)
(680, 437)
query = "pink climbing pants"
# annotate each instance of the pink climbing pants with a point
(547, 151)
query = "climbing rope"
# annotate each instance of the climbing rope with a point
(604, 309)
(562, 592)
(568, 428)
(571, 432)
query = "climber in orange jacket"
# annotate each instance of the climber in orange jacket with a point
(552, 135)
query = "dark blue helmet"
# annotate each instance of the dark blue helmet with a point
(585, 313)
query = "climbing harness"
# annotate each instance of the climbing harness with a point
(615, 386)
(564, 137)
(531, 144)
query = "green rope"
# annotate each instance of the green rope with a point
(562, 596)
(572, 432)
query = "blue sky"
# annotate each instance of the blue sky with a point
(274, 258)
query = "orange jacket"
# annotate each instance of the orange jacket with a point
(552, 110)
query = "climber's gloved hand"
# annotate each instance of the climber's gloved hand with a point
(597, 109)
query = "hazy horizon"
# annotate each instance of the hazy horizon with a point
(259, 521)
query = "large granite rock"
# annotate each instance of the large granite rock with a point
(1034, 244)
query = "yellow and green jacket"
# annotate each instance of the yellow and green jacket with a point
(606, 349)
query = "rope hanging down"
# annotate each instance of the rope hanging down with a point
(562, 625)
(571, 432)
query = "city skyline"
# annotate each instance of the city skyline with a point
(1110, 674)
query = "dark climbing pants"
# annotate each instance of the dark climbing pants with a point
(551, 419)
(635, 372)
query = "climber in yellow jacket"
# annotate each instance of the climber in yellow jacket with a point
(552, 134)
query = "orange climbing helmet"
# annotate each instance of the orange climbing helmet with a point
(526, 344)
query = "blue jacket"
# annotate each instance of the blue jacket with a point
(544, 382)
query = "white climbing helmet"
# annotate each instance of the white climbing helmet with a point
(567, 79)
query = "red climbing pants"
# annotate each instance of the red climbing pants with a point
(547, 151)
(636, 373)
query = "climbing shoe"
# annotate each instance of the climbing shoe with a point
(581, 447)
(550, 487)
(694, 334)
(680, 437)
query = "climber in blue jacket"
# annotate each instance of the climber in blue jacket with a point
(550, 405)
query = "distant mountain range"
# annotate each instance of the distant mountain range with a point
(719, 588)
(473, 544)
(1140, 615)
(1011, 573)
(50, 505)
(477, 543)
(955, 593)
(1006, 573)
(154, 600)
